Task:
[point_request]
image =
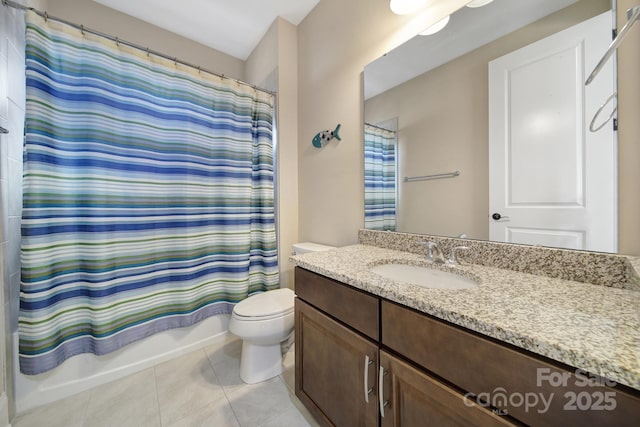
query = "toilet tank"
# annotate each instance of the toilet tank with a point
(306, 247)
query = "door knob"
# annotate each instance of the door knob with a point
(496, 216)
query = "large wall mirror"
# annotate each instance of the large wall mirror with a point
(482, 130)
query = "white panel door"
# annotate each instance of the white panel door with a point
(552, 181)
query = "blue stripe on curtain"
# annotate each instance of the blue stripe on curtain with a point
(379, 178)
(148, 196)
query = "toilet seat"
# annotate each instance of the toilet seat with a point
(265, 306)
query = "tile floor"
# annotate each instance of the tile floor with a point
(202, 388)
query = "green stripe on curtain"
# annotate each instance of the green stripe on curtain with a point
(379, 178)
(148, 196)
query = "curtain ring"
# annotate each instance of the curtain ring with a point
(82, 29)
(611, 97)
(117, 42)
(46, 17)
(147, 52)
(198, 69)
(175, 61)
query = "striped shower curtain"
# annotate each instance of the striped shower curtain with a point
(148, 196)
(379, 178)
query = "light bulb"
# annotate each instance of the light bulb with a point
(436, 27)
(406, 7)
(478, 3)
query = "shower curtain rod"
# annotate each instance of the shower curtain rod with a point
(379, 127)
(84, 29)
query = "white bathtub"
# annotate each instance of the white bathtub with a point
(82, 372)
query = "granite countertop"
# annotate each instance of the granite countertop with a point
(595, 328)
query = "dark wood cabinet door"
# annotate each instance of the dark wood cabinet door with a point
(332, 372)
(412, 398)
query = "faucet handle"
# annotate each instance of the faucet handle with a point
(454, 253)
(434, 254)
(428, 247)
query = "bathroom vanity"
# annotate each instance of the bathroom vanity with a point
(517, 349)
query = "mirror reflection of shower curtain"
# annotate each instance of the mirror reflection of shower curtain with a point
(379, 178)
(148, 196)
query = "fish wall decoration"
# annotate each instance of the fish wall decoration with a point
(322, 138)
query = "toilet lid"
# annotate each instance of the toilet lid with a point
(271, 303)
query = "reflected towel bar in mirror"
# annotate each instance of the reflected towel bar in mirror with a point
(434, 176)
(633, 15)
(3, 130)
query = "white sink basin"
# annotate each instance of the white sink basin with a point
(423, 276)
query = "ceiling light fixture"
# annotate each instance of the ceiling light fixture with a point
(478, 3)
(436, 27)
(406, 7)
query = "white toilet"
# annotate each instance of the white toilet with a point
(263, 321)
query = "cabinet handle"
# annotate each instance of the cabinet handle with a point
(367, 391)
(383, 402)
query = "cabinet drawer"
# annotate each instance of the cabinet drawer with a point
(503, 374)
(351, 306)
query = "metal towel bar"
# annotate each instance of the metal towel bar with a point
(633, 15)
(613, 97)
(434, 176)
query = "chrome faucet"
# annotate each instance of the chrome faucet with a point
(435, 255)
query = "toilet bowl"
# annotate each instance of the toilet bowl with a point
(263, 321)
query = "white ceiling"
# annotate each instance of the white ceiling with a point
(231, 26)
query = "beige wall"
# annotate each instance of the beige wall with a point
(262, 63)
(336, 40)
(95, 16)
(443, 123)
(287, 147)
(274, 65)
(629, 135)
